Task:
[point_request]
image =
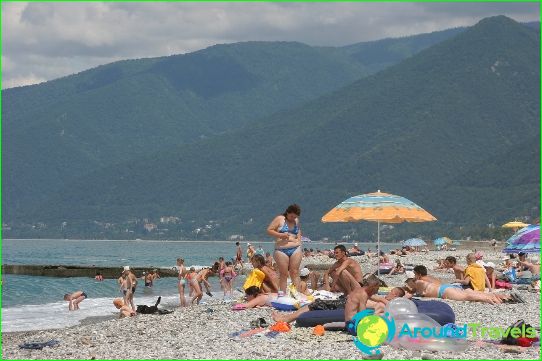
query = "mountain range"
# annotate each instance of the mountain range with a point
(235, 133)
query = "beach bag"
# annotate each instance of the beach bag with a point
(255, 278)
(510, 275)
(148, 310)
(503, 284)
(319, 305)
(509, 340)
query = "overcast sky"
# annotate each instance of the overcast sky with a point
(44, 41)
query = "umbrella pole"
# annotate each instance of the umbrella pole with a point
(378, 250)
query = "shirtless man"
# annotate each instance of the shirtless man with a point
(356, 301)
(451, 263)
(75, 299)
(526, 265)
(450, 292)
(421, 272)
(345, 272)
(202, 277)
(238, 255)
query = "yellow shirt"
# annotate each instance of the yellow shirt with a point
(477, 275)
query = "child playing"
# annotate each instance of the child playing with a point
(75, 299)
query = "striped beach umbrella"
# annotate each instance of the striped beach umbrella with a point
(442, 240)
(525, 240)
(378, 207)
(514, 225)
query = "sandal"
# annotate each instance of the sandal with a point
(518, 297)
(257, 323)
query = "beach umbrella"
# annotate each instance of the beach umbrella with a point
(525, 240)
(442, 240)
(515, 225)
(378, 207)
(414, 242)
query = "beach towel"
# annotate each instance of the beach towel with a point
(477, 275)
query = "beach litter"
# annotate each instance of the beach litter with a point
(39, 345)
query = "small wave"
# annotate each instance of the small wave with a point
(56, 314)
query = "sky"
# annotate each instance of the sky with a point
(47, 40)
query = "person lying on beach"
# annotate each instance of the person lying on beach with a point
(345, 272)
(475, 275)
(256, 298)
(359, 299)
(125, 310)
(74, 299)
(451, 263)
(271, 280)
(451, 292)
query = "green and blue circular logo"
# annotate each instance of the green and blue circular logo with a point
(372, 331)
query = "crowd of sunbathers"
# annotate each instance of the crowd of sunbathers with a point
(475, 282)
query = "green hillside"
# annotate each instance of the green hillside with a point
(57, 131)
(429, 128)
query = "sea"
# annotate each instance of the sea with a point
(35, 302)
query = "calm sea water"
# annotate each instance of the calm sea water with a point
(31, 302)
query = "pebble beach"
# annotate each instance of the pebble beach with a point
(210, 331)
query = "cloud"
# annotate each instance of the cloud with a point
(43, 41)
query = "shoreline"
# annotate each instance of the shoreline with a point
(204, 331)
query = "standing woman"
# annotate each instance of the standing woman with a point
(181, 281)
(285, 228)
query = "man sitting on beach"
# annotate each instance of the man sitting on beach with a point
(525, 265)
(451, 263)
(450, 292)
(475, 275)
(358, 300)
(345, 272)
(75, 299)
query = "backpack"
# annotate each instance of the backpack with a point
(509, 340)
(147, 310)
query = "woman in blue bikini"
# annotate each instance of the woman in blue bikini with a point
(285, 228)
